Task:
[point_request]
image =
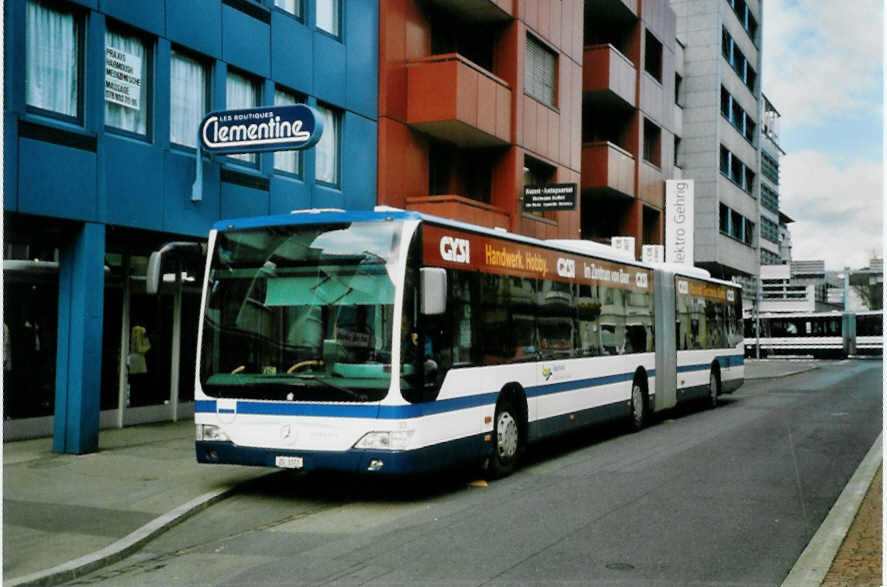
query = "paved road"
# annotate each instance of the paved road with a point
(729, 496)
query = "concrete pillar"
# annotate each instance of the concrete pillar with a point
(79, 354)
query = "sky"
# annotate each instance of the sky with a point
(823, 71)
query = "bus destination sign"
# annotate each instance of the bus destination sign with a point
(271, 128)
(556, 196)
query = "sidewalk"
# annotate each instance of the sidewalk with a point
(65, 515)
(59, 507)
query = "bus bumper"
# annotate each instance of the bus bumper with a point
(394, 462)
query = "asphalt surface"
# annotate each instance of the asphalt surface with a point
(101, 507)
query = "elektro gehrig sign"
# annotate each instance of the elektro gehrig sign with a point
(272, 128)
(444, 247)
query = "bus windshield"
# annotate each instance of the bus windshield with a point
(301, 313)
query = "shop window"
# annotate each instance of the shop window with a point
(188, 98)
(127, 101)
(242, 92)
(653, 56)
(540, 72)
(287, 161)
(326, 162)
(53, 59)
(329, 15)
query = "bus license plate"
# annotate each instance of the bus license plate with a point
(288, 462)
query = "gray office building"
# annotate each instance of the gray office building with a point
(720, 146)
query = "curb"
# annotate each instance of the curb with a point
(816, 560)
(782, 375)
(123, 547)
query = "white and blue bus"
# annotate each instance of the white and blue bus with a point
(396, 342)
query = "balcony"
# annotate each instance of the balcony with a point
(461, 208)
(607, 167)
(455, 100)
(478, 10)
(605, 70)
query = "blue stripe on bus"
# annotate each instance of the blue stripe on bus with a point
(402, 412)
(724, 361)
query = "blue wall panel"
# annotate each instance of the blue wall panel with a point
(329, 70)
(133, 172)
(180, 214)
(359, 162)
(362, 28)
(238, 201)
(144, 15)
(56, 181)
(327, 197)
(288, 194)
(246, 42)
(196, 24)
(10, 161)
(292, 52)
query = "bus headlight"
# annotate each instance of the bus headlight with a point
(211, 432)
(388, 440)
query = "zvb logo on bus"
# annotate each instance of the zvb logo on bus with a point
(566, 267)
(455, 250)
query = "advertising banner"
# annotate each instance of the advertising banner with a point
(679, 221)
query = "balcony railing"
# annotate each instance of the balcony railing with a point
(478, 10)
(453, 99)
(605, 69)
(461, 208)
(606, 166)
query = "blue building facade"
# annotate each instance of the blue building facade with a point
(102, 101)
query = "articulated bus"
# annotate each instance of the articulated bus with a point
(817, 334)
(395, 342)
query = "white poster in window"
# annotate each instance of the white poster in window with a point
(123, 78)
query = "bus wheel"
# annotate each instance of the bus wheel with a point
(714, 385)
(506, 432)
(638, 405)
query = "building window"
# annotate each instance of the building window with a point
(329, 15)
(769, 198)
(126, 83)
(678, 98)
(52, 59)
(540, 72)
(769, 230)
(294, 7)
(288, 161)
(677, 150)
(725, 161)
(652, 143)
(653, 56)
(242, 92)
(748, 236)
(188, 98)
(326, 153)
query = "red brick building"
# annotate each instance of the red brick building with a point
(477, 98)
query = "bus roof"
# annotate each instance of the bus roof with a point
(577, 246)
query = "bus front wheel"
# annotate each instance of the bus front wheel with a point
(507, 440)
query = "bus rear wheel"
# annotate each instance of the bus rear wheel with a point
(714, 386)
(507, 440)
(638, 406)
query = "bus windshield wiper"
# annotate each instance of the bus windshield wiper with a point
(345, 390)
